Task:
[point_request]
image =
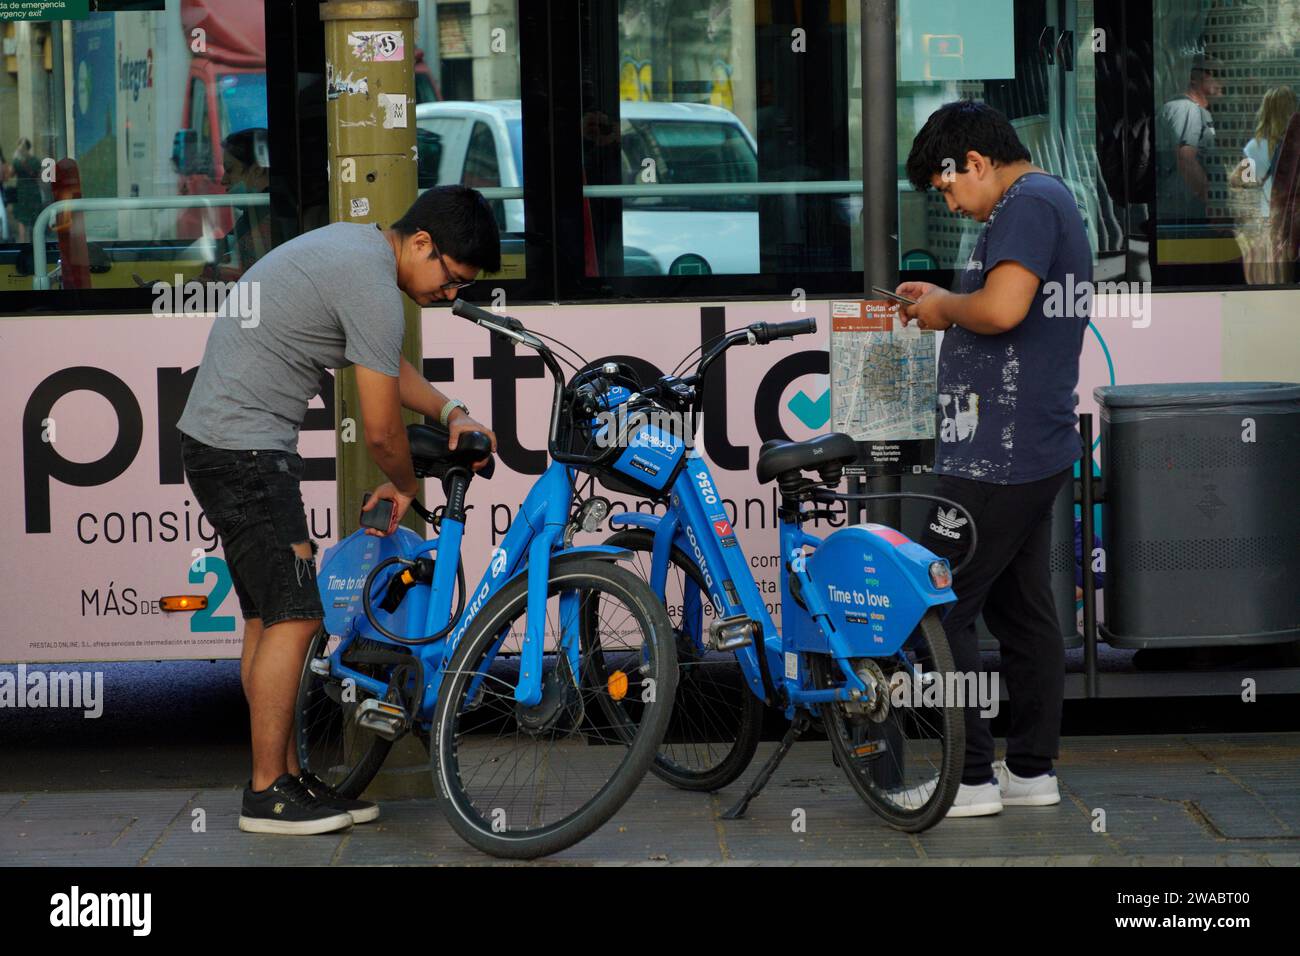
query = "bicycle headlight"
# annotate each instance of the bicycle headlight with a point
(940, 575)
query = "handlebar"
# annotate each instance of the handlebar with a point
(514, 330)
(482, 316)
(764, 332)
(759, 333)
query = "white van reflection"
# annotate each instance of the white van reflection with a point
(480, 144)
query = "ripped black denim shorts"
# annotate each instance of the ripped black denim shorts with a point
(253, 501)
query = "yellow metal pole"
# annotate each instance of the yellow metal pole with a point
(370, 111)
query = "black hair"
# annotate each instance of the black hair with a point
(1202, 64)
(460, 223)
(955, 129)
(243, 144)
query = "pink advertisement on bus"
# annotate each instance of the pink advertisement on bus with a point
(99, 522)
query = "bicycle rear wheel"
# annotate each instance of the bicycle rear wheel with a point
(904, 761)
(522, 782)
(716, 719)
(330, 742)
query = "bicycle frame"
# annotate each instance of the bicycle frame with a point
(697, 523)
(529, 547)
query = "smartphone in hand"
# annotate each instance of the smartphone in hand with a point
(893, 295)
(378, 517)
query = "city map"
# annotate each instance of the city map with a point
(882, 374)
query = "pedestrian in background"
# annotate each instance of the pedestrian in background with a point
(1284, 204)
(29, 198)
(1252, 181)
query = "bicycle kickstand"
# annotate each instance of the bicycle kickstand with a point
(797, 727)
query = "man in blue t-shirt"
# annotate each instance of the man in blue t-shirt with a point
(1006, 428)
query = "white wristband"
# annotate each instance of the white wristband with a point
(450, 407)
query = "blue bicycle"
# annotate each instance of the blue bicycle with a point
(862, 650)
(541, 697)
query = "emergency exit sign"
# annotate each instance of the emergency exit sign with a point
(44, 9)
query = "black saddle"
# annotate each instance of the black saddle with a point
(431, 457)
(777, 457)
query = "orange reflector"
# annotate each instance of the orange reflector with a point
(183, 602)
(867, 749)
(617, 685)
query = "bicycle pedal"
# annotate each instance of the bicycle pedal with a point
(381, 718)
(731, 633)
(872, 748)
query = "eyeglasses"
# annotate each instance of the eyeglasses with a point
(456, 282)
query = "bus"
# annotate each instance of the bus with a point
(694, 171)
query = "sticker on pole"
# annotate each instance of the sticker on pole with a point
(360, 207)
(394, 107)
(377, 46)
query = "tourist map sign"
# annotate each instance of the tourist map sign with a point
(883, 387)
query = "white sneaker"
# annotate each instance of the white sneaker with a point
(976, 800)
(1040, 791)
(980, 800)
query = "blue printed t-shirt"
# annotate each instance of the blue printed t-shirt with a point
(1006, 402)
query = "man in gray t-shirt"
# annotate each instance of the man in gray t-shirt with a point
(328, 299)
(1184, 135)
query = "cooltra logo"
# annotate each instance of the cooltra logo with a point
(75, 909)
(948, 523)
(471, 612)
(499, 559)
(702, 564)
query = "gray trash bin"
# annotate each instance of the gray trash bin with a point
(1201, 520)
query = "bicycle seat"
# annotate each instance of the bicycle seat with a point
(431, 457)
(777, 457)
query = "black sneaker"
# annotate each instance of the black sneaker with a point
(286, 806)
(361, 811)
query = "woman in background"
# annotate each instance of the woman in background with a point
(245, 170)
(1256, 174)
(6, 199)
(28, 199)
(1284, 203)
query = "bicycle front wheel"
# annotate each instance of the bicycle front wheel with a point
(902, 752)
(717, 719)
(522, 782)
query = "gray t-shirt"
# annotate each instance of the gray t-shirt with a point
(327, 299)
(1182, 123)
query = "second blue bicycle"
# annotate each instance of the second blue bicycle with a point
(862, 650)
